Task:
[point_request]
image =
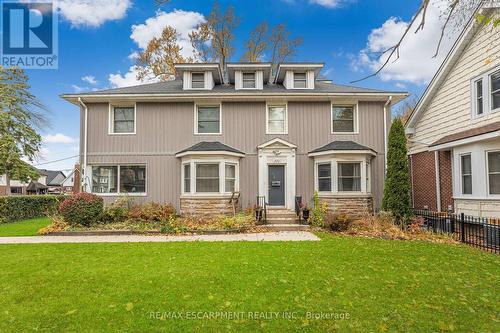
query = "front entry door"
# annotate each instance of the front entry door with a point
(276, 184)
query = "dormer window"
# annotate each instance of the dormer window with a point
(299, 80)
(198, 80)
(249, 80)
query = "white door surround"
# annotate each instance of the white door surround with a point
(278, 152)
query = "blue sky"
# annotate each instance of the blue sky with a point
(95, 47)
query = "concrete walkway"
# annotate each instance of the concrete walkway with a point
(257, 237)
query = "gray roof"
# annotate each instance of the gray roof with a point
(341, 145)
(211, 146)
(51, 175)
(175, 87)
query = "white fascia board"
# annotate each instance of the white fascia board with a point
(474, 139)
(343, 152)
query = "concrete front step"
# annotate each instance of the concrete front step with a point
(286, 227)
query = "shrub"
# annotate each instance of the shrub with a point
(82, 209)
(338, 221)
(397, 187)
(152, 211)
(318, 212)
(116, 212)
(22, 207)
(240, 221)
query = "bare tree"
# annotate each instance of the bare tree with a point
(159, 57)
(457, 11)
(281, 46)
(257, 44)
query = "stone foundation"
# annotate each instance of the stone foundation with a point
(207, 206)
(354, 206)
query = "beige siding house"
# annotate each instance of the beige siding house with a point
(454, 132)
(197, 141)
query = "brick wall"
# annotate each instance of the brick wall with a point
(422, 168)
(207, 206)
(352, 206)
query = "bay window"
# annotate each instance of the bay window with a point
(494, 172)
(119, 179)
(324, 177)
(230, 177)
(210, 176)
(349, 177)
(207, 178)
(466, 173)
(187, 178)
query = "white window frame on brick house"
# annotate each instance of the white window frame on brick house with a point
(198, 105)
(221, 161)
(111, 118)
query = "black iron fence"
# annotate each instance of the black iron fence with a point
(479, 232)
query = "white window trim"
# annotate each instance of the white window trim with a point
(355, 107)
(118, 193)
(254, 80)
(293, 80)
(196, 105)
(487, 165)
(111, 118)
(268, 105)
(490, 89)
(204, 80)
(334, 160)
(221, 161)
(487, 94)
(461, 181)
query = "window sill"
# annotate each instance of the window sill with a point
(478, 198)
(110, 133)
(344, 133)
(120, 194)
(207, 133)
(205, 195)
(344, 195)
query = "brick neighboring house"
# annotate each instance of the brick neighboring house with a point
(454, 132)
(198, 139)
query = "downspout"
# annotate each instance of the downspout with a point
(82, 179)
(438, 181)
(385, 132)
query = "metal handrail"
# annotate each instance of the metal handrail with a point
(261, 202)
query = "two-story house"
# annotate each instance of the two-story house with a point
(195, 140)
(454, 132)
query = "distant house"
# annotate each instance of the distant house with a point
(454, 132)
(49, 182)
(54, 180)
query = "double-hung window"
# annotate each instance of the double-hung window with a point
(249, 80)
(187, 178)
(349, 177)
(276, 119)
(494, 172)
(324, 177)
(123, 120)
(495, 90)
(207, 177)
(119, 179)
(466, 173)
(198, 80)
(299, 80)
(208, 120)
(343, 119)
(230, 181)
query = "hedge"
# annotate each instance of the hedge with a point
(22, 207)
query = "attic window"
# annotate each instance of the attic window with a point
(198, 80)
(249, 80)
(299, 80)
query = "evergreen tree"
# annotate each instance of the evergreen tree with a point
(397, 182)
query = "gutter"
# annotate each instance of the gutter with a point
(82, 179)
(385, 132)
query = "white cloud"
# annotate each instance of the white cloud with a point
(90, 79)
(416, 63)
(326, 3)
(58, 138)
(183, 21)
(92, 13)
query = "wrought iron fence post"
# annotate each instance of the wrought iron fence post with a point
(462, 227)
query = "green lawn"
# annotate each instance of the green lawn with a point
(383, 286)
(23, 228)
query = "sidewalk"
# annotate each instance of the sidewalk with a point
(257, 237)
